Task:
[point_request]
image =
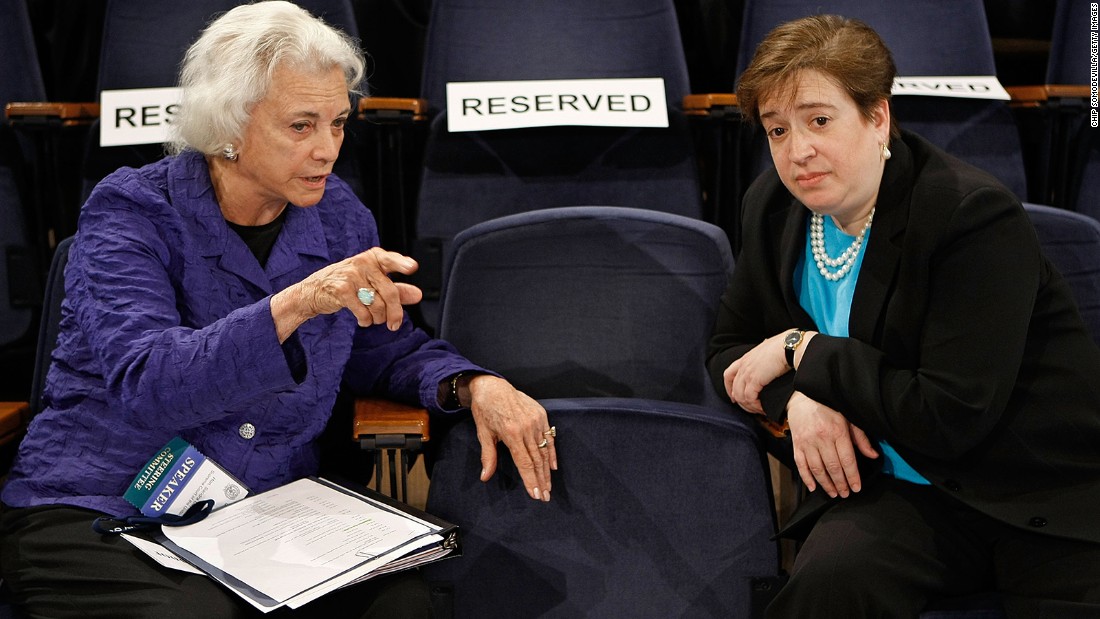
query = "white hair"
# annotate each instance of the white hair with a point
(230, 67)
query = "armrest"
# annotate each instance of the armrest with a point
(716, 105)
(382, 424)
(392, 110)
(51, 113)
(13, 419)
(387, 426)
(778, 430)
(1037, 96)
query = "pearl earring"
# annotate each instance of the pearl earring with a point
(230, 152)
(886, 154)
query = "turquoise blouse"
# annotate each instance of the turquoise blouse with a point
(829, 303)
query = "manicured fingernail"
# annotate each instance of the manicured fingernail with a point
(535, 494)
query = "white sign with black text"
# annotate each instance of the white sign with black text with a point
(957, 86)
(485, 106)
(136, 116)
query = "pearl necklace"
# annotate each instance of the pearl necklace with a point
(844, 260)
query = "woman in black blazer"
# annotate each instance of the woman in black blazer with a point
(892, 308)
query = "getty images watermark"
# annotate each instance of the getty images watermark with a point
(1093, 50)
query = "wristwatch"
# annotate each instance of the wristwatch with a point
(790, 344)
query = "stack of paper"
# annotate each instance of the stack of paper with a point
(293, 544)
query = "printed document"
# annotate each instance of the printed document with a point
(294, 543)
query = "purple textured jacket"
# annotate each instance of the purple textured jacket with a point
(166, 330)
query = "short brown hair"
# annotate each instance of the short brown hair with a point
(847, 51)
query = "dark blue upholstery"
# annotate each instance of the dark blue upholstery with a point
(144, 42)
(926, 38)
(494, 40)
(659, 509)
(661, 505)
(1072, 242)
(1068, 63)
(51, 322)
(920, 33)
(589, 301)
(47, 341)
(472, 177)
(20, 80)
(142, 46)
(476, 176)
(20, 72)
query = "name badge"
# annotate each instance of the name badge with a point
(178, 477)
(136, 116)
(486, 106)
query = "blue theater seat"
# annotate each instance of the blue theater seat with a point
(661, 506)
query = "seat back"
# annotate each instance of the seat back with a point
(142, 46)
(20, 275)
(926, 38)
(471, 177)
(494, 40)
(1072, 242)
(51, 322)
(589, 301)
(661, 506)
(20, 71)
(47, 340)
(1070, 43)
(1070, 46)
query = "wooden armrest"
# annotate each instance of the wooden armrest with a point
(1036, 96)
(384, 423)
(393, 109)
(46, 112)
(778, 430)
(13, 419)
(722, 104)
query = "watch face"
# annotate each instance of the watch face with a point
(792, 339)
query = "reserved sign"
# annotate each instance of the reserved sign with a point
(486, 106)
(964, 87)
(136, 116)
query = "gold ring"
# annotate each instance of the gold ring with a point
(544, 443)
(553, 431)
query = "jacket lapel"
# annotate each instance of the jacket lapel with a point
(192, 193)
(880, 263)
(788, 224)
(302, 238)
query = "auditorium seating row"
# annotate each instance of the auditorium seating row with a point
(425, 184)
(436, 193)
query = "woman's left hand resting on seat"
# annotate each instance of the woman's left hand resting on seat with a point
(504, 414)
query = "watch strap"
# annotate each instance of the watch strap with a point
(789, 346)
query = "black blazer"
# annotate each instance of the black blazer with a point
(966, 350)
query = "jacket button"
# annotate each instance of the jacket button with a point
(1037, 521)
(247, 431)
(952, 485)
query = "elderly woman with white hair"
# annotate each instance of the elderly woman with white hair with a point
(225, 294)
